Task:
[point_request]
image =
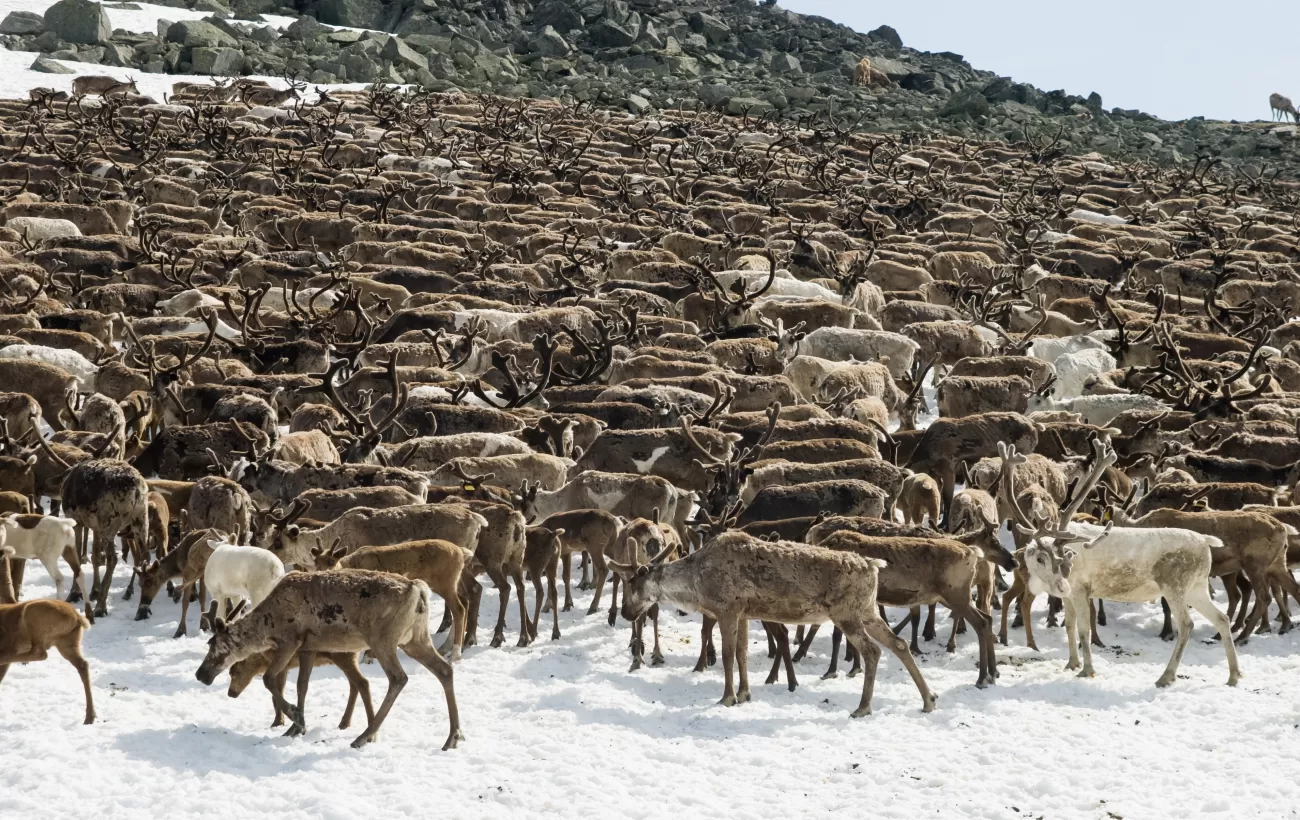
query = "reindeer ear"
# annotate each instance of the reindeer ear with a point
(292, 530)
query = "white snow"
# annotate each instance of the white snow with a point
(561, 728)
(17, 78)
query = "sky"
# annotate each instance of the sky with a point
(1175, 60)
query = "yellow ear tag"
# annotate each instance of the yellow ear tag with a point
(469, 488)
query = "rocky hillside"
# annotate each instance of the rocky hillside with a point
(641, 55)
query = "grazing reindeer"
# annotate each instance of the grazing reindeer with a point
(341, 610)
(102, 85)
(1281, 107)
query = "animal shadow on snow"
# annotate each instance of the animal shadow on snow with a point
(228, 751)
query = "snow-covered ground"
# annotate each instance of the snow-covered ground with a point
(17, 78)
(561, 728)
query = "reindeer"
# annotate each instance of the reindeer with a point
(336, 611)
(737, 577)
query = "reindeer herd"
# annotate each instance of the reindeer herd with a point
(321, 359)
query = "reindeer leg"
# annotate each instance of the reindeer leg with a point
(613, 601)
(277, 686)
(636, 645)
(742, 659)
(357, 685)
(706, 636)
(185, 607)
(1026, 606)
(783, 641)
(729, 626)
(1053, 607)
(1167, 630)
(306, 662)
(567, 561)
(929, 633)
(553, 592)
(774, 675)
(1010, 595)
(584, 564)
(525, 633)
(805, 641)
(101, 609)
(277, 666)
(879, 630)
(656, 655)
(392, 666)
(601, 573)
(17, 569)
(1094, 605)
(530, 624)
(833, 670)
(422, 650)
(502, 584)
(70, 648)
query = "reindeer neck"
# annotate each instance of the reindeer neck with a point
(676, 583)
(254, 636)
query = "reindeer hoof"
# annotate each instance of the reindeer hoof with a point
(453, 740)
(497, 640)
(90, 718)
(830, 675)
(1164, 681)
(74, 596)
(101, 611)
(126, 596)
(657, 659)
(179, 633)
(863, 711)
(727, 700)
(613, 618)
(555, 634)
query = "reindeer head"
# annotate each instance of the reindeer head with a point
(226, 646)
(640, 580)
